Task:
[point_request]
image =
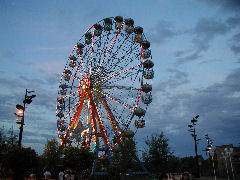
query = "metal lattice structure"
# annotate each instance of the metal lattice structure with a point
(105, 85)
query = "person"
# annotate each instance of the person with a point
(163, 177)
(61, 175)
(66, 176)
(47, 174)
(172, 176)
(185, 176)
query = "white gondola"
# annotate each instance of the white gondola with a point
(139, 112)
(73, 58)
(80, 47)
(138, 34)
(146, 88)
(148, 74)
(129, 29)
(63, 86)
(146, 53)
(147, 98)
(129, 26)
(98, 30)
(138, 38)
(119, 21)
(66, 77)
(62, 92)
(139, 123)
(107, 24)
(60, 115)
(71, 64)
(148, 64)
(88, 38)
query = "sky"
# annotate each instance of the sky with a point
(195, 46)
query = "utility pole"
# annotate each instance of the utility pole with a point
(194, 135)
(21, 112)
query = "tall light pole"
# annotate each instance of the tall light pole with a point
(194, 135)
(20, 113)
(211, 154)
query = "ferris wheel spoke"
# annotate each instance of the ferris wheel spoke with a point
(116, 52)
(119, 87)
(75, 117)
(72, 76)
(109, 77)
(67, 95)
(112, 121)
(81, 60)
(69, 112)
(109, 48)
(104, 94)
(90, 71)
(139, 95)
(125, 55)
(100, 124)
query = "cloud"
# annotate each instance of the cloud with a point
(223, 5)
(162, 31)
(218, 107)
(235, 43)
(49, 66)
(204, 32)
(233, 21)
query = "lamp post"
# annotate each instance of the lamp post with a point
(194, 135)
(20, 113)
(211, 154)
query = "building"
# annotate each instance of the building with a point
(227, 160)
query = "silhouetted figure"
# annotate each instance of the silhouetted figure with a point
(185, 176)
(163, 177)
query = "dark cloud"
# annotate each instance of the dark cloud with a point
(223, 5)
(204, 32)
(209, 28)
(236, 43)
(210, 61)
(233, 22)
(161, 32)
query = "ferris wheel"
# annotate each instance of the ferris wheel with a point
(106, 86)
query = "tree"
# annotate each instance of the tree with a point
(78, 159)
(7, 140)
(189, 163)
(157, 153)
(51, 155)
(20, 160)
(125, 154)
(174, 164)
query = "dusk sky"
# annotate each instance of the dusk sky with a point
(195, 47)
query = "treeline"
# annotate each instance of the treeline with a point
(19, 162)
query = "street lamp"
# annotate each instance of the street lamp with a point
(211, 154)
(194, 135)
(20, 113)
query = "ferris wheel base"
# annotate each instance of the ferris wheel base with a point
(108, 154)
